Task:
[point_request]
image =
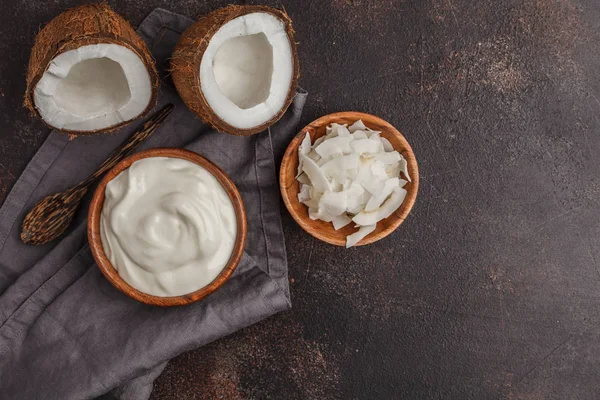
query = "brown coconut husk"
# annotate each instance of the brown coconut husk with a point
(185, 64)
(80, 26)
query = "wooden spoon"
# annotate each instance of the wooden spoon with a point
(52, 215)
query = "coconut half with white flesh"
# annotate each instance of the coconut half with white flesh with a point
(237, 68)
(90, 72)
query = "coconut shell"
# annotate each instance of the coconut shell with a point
(186, 59)
(81, 26)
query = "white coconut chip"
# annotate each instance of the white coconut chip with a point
(385, 210)
(378, 170)
(387, 146)
(333, 203)
(337, 186)
(367, 180)
(356, 237)
(316, 176)
(371, 131)
(303, 178)
(388, 158)
(376, 201)
(322, 161)
(404, 169)
(337, 168)
(313, 156)
(363, 146)
(304, 149)
(304, 194)
(340, 221)
(315, 197)
(336, 146)
(357, 198)
(313, 213)
(375, 136)
(393, 203)
(393, 170)
(332, 130)
(357, 126)
(343, 131)
(359, 135)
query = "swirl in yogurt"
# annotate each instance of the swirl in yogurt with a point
(167, 226)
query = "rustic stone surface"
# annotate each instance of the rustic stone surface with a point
(490, 289)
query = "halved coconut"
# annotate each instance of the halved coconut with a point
(237, 68)
(90, 72)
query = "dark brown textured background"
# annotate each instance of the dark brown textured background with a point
(491, 288)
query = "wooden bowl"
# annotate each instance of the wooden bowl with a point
(324, 230)
(111, 273)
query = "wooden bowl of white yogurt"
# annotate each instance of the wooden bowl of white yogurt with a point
(167, 227)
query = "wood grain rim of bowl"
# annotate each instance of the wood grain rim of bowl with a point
(111, 273)
(322, 230)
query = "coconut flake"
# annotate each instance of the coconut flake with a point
(359, 135)
(363, 146)
(333, 130)
(333, 204)
(375, 136)
(393, 203)
(371, 131)
(336, 146)
(340, 221)
(304, 149)
(358, 125)
(378, 170)
(367, 217)
(357, 198)
(367, 180)
(343, 131)
(356, 237)
(303, 178)
(393, 170)
(314, 156)
(385, 210)
(304, 194)
(388, 157)
(315, 197)
(387, 146)
(313, 213)
(323, 161)
(316, 176)
(388, 187)
(337, 168)
(404, 168)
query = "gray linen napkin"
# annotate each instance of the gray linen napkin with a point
(65, 332)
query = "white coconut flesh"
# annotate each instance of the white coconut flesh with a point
(93, 87)
(247, 69)
(351, 175)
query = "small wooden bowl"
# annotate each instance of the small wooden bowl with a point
(111, 273)
(324, 230)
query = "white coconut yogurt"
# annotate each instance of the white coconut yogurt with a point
(167, 226)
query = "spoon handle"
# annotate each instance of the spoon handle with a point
(127, 148)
